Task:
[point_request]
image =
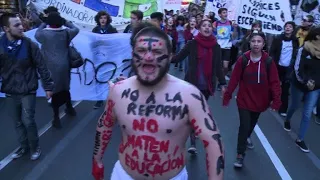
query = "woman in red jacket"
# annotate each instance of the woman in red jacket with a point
(259, 85)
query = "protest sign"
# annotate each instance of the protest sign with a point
(82, 12)
(215, 5)
(272, 13)
(307, 7)
(106, 57)
(172, 5)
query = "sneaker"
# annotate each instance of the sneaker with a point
(19, 153)
(98, 105)
(219, 88)
(302, 146)
(283, 114)
(287, 126)
(249, 144)
(70, 111)
(192, 150)
(56, 123)
(239, 161)
(36, 154)
(317, 120)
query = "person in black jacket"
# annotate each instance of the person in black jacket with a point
(20, 63)
(284, 50)
(136, 17)
(103, 20)
(306, 81)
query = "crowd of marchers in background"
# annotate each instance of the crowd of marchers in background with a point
(233, 52)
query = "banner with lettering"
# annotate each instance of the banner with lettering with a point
(172, 5)
(272, 13)
(106, 57)
(82, 12)
(215, 5)
(307, 7)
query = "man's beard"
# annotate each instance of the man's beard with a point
(163, 71)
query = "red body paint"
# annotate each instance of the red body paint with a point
(154, 166)
(106, 137)
(97, 172)
(152, 125)
(196, 129)
(108, 121)
(205, 143)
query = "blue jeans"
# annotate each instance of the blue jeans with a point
(21, 109)
(295, 100)
(310, 102)
(182, 64)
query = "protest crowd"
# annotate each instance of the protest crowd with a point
(277, 72)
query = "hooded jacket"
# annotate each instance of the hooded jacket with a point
(256, 90)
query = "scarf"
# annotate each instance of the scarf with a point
(313, 47)
(15, 49)
(205, 44)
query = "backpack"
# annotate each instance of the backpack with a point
(245, 63)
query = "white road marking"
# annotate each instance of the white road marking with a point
(4, 162)
(272, 155)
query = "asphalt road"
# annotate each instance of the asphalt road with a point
(67, 153)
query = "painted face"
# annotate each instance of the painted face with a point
(170, 21)
(151, 60)
(103, 20)
(15, 28)
(256, 43)
(288, 29)
(193, 22)
(224, 15)
(206, 29)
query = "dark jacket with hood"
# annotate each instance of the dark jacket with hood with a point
(190, 50)
(256, 89)
(309, 67)
(275, 53)
(19, 69)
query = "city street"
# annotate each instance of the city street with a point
(67, 153)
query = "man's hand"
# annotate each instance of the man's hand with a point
(223, 90)
(97, 170)
(49, 94)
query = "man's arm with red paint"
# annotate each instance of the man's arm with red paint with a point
(103, 137)
(206, 128)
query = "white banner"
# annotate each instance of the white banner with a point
(272, 13)
(307, 7)
(215, 5)
(106, 57)
(172, 5)
(82, 12)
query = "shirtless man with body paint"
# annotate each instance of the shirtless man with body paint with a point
(156, 112)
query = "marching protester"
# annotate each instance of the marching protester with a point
(170, 29)
(55, 42)
(103, 20)
(306, 80)
(20, 63)
(181, 41)
(157, 19)
(303, 30)
(203, 65)
(284, 50)
(151, 63)
(135, 18)
(256, 74)
(224, 31)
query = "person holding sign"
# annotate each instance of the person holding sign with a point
(259, 85)
(103, 20)
(156, 112)
(225, 33)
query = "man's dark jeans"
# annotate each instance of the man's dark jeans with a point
(21, 109)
